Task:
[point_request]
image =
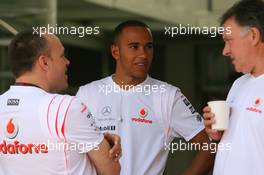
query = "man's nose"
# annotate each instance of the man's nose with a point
(226, 50)
(142, 52)
(67, 61)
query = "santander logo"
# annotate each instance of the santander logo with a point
(11, 129)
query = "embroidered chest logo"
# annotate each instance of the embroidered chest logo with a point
(12, 102)
(11, 129)
(143, 113)
(254, 108)
(106, 111)
(257, 102)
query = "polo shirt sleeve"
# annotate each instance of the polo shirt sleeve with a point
(82, 94)
(185, 121)
(80, 129)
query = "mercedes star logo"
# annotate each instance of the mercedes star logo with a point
(106, 110)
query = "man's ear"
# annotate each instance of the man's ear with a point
(115, 52)
(255, 35)
(43, 62)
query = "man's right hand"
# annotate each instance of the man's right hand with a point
(208, 121)
(103, 163)
(115, 144)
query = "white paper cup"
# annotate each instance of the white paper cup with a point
(221, 110)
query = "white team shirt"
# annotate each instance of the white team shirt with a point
(146, 117)
(45, 134)
(245, 133)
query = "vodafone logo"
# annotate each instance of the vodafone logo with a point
(257, 102)
(143, 113)
(15, 147)
(11, 128)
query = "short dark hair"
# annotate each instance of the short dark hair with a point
(120, 27)
(247, 13)
(23, 51)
